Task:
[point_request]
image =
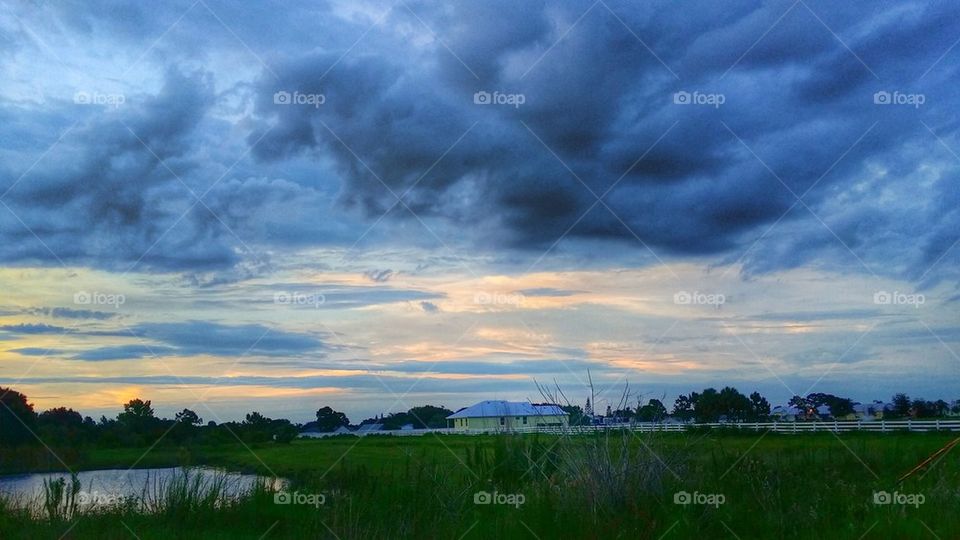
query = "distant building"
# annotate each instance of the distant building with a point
(786, 413)
(868, 412)
(508, 415)
(313, 432)
(369, 428)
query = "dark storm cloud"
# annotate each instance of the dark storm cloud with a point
(108, 198)
(598, 83)
(799, 118)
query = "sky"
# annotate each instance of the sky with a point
(278, 206)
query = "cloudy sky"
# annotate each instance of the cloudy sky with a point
(374, 205)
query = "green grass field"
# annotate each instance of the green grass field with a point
(600, 486)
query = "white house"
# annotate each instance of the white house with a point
(508, 415)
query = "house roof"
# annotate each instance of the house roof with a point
(369, 427)
(486, 409)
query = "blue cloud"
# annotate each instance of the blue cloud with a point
(200, 337)
(124, 352)
(33, 328)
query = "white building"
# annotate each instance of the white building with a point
(508, 415)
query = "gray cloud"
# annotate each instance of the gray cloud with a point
(70, 313)
(379, 276)
(123, 352)
(33, 328)
(547, 291)
(711, 183)
(711, 180)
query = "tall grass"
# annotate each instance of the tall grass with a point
(588, 485)
(60, 498)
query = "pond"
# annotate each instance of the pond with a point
(145, 488)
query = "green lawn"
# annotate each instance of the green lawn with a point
(616, 486)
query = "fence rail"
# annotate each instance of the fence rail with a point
(876, 426)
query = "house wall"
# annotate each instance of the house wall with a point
(509, 422)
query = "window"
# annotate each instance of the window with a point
(503, 420)
(524, 420)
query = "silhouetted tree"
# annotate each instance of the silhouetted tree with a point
(577, 415)
(901, 405)
(760, 407)
(683, 407)
(653, 411)
(838, 406)
(18, 421)
(942, 407)
(62, 425)
(188, 417)
(136, 412)
(428, 416)
(329, 420)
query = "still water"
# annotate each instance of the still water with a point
(138, 486)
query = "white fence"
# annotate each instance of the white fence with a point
(877, 426)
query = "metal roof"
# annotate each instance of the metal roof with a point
(487, 409)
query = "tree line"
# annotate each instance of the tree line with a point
(137, 424)
(729, 404)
